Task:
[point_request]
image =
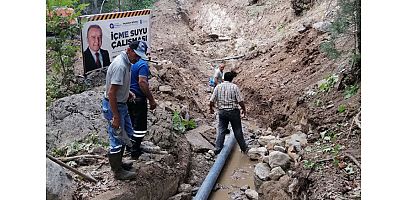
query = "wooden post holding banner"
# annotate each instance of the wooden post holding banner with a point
(87, 177)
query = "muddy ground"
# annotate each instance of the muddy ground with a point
(278, 75)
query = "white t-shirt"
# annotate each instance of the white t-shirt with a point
(119, 73)
(218, 75)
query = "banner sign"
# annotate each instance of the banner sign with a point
(104, 36)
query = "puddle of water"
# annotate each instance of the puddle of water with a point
(237, 172)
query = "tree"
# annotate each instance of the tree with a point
(62, 24)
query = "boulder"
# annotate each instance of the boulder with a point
(149, 147)
(197, 141)
(296, 139)
(251, 194)
(279, 148)
(165, 88)
(272, 143)
(74, 117)
(277, 158)
(276, 173)
(264, 140)
(208, 132)
(275, 189)
(322, 26)
(244, 188)
(261, 174)
(265, 159)
(257, 153)
(58, 184)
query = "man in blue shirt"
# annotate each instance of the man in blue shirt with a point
(138, 108)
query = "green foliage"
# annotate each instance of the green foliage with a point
(328, 83)
(89, 142)
(281, 27)
(127, 5)
(341, 108)
(347, 21)
(350, 91)
(317, 103)
(329, 48)
(182, 125)
(61, 3)
(62, 49)
(308, 164)
(329, 135)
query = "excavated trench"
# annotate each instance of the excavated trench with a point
(186, 36)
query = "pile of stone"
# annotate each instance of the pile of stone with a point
(273, 177)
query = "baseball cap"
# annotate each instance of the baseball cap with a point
(140, 48)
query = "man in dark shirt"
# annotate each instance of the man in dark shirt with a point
(138, 108)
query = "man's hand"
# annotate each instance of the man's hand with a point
(211, 107)
(244, 113)
(153, 105)
(116, 121)
(131, 97)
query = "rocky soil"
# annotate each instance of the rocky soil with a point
(305, 147)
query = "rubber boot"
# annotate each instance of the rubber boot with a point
(136, 150)
(115, 160)
(126, 165)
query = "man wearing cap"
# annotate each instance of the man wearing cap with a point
(140, 87)
(115, 110)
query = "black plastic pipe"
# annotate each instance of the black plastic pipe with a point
(212, 176)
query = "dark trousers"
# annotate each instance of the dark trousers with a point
(224, 118)
(138, 114)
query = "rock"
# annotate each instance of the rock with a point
(295, 139)
(58, 184)
(197, 141)
(265, 159)
(257, 153)
(279, 148)
(194, 190)
(293, 185)
(162, 73)
(165, 88)
(244, 188)
(261, 174)
(251, 194)
(208, 132)
(185, 188)
(277, 158)
(170, 107)
(237, 195)
(276, 173)
(75, 117)
(281, 132)
(275, 189)
(277, 194)
(149, 147)
(154, 84)
(322, 26)
(211, 152)
(98, 151)
(302, 29)
(264, 140)
(251, 2)
(181, 196)
(272, 143)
